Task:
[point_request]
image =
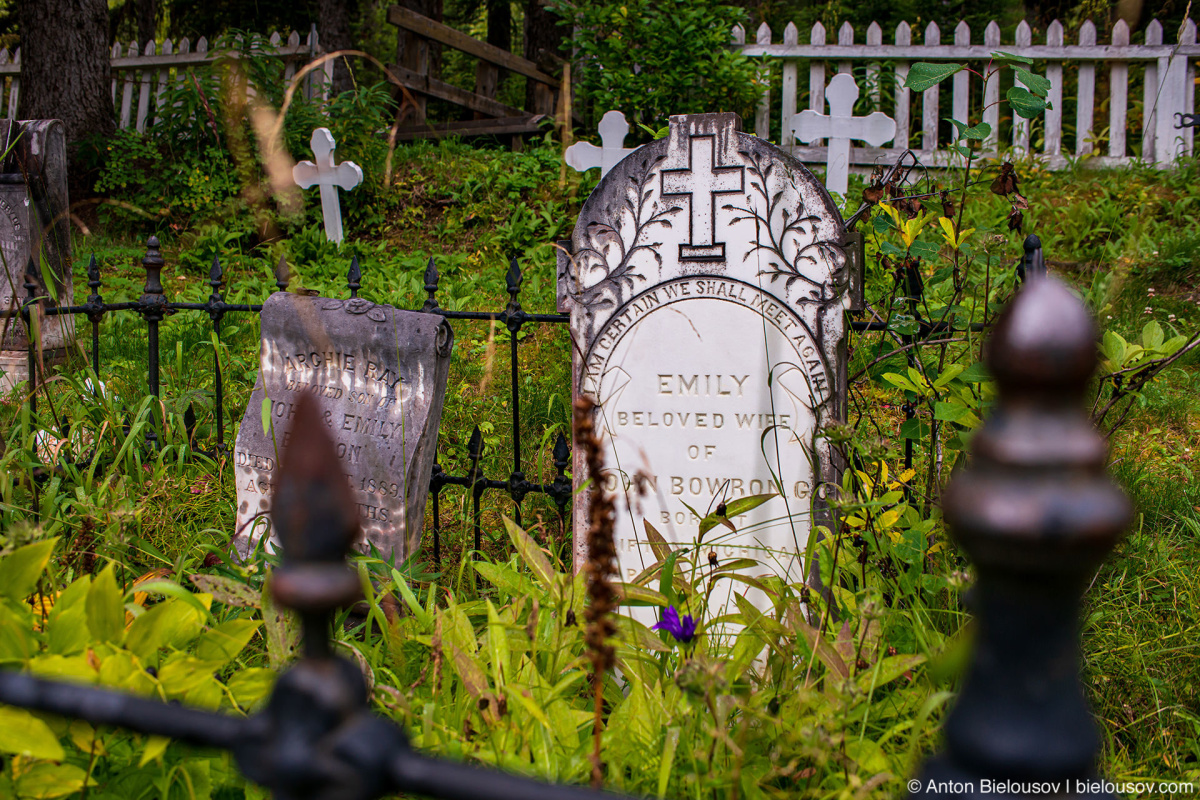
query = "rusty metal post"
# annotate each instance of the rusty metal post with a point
(1036, 513)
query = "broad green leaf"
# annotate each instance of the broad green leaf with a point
(500, 576)
(670, 743)
(24, 734)
(251, 685)
(925, 75)
(227, 591)
(67, 632)
(497, 638)
(948, 374)
(171, 623)
(45, 781)
(949, 411)
(423, 617)
(1037, 84)
(746, 504)
(629, 594)
(181, 673)
(223, 643)
(207, 695)
(1025, 104)
(20, 569)
(202, 602)
(531, 554)
(976, 373)
(657, 542)
(71, 668)
(1010, 58)
(105, 608)
(282, 631)
(901, 382)
(155, 747)
(1152, 335)
(888, 670)
(980, 131)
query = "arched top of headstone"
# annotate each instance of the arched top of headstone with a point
(707, 200)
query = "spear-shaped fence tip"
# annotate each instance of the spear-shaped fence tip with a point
(215, 273)
(282, 278)
(93, 272)
(513, 277)
(562, 453)
(316, 518)
(431, 286)
(1033, 263)
(354, 277)
(475, 446)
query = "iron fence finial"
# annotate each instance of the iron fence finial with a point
(354, 277)
(431, 287)
(1033, 263)
(1037, 514)
(282, 277)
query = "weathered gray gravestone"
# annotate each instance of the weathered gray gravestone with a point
(379, 374)
(705, 282)
(34, 224)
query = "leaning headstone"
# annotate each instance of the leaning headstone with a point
(379, 374)
(34, 227)
(705, 284)
(323, 172)
(839, 127)
(613, 128)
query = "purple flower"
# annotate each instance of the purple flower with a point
(684, 630)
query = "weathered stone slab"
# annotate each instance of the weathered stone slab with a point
(33, 221)
(706, 287)
(379, 374)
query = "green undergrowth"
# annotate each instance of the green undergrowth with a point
(121, 562)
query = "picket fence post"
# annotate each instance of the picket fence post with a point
(1167, 72)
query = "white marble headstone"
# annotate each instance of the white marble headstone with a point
(705, 283)
(840, 127)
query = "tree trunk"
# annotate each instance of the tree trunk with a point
(420, 55)
(544, 39)
(333, 28)
(499, 23)
(147, 21)
(65, 69)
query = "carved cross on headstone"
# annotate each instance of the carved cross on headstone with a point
(582, 156)
(321, 171)
(701, 181)
(839, 127)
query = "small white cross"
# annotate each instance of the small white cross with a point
(329, 177)
(613, 130)
(840, 127)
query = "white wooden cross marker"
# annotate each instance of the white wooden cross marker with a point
(839, 127)
(321, 171)
(613, 130)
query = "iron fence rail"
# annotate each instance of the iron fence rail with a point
(154, 306)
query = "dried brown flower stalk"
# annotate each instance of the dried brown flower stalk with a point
(601, 569)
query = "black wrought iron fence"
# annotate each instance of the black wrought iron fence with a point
(1035, 511)
(154, 306)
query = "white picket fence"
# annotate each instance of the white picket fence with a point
(1164, 73)
(146, 72)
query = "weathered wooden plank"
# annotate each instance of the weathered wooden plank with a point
(903, 99)
(961, 104)
(164, 78)
(867, 157)
(991, 91)
(412, 21)
(930, 99)
(762, 115)
(127, 91)
(1118, 86)
(1054, 74)
(1188, 37)
(143, 107)
(1150, 96)
(1172, 74)
(816, 72)
(791, 86)
(116, 54)
(1020, 124)
(433, 87)
(491, 127)
(874, 89)
(845, 39)
(1085, 104)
